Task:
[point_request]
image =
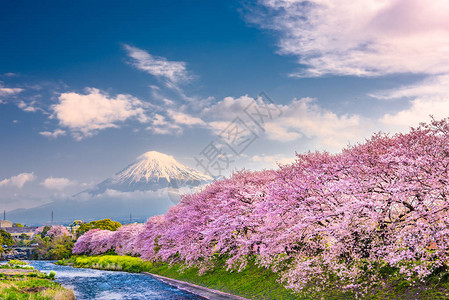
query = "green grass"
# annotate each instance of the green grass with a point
(32, 287)
(252, 282)
(30, 284)
(110, 262)
(35, 289)
(16, 264)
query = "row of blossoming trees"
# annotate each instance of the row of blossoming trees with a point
(384, 201)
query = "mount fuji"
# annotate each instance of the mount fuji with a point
(150, 172)
(147, 187)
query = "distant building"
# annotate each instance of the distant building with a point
(5, 224)
(16, 232)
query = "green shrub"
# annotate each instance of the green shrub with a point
(52, 275)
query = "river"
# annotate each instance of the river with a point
(109, 285)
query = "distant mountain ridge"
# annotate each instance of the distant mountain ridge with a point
(148, 186)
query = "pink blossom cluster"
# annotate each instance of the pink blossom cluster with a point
(54, 231)
(38, 231)
(384, 201)
(57, 230)
(98, 241)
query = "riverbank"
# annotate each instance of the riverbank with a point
(259, 283)
(251, 283)
(201, 291)
(20, 281)
(103, 284)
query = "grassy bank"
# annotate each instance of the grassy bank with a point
(259, 283)
(20, 281)
(253, 282)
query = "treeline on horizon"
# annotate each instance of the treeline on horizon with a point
(375, 206)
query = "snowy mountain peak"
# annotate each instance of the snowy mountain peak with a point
(153, 165)
(154, 155)
(151, 171)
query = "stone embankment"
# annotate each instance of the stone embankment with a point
(21, 253)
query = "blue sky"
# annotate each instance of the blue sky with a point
(87, 86)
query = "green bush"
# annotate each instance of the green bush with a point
(52, 275)
(6, 238)
(106, 224)
(53, 249)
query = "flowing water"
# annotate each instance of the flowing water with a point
(98, 284)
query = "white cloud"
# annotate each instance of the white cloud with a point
(173, 123)
(361, 38)
(54, 183)
(18, 180)
(419, 111)
(85, 114)
(173, 71)
(218, 126)
(27, 107)
(305, 120)
(222, 113)
(435, 86)
(228, 108)
(428, 97)
(4, 91)
(10, 74)
(282, 133)
(159, 120)
(185, 119)
(305, 117)
(159, 125)
(195, 103)
(302, 118)
(53, 134)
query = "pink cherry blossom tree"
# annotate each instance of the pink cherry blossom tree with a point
(57, 231)
(125, 239)
(53, 231)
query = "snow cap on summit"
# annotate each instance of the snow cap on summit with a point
(154, 155)
(151, 171)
